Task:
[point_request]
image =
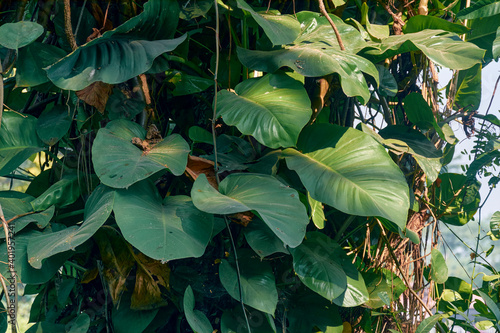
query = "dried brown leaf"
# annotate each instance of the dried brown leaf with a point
(198, 165)
(96, 94)
(151, 274)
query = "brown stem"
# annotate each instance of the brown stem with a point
(323, 11)
(67, 25)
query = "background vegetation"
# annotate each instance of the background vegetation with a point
(256, 166)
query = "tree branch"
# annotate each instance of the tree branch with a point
(323, 11)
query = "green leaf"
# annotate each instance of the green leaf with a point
(81, 324)
(258, 288)
(16, 203)
(122, 53)
(280, 29)
(316, 53)
(18, 141)
(468, 94)
(442, 47)
(279, 206)
(309, 310)
(123, 163)
(421, 22)
(317, 212)
(198, 134)
(356, 292)
(19, 34)
(53, 124)
(496, 45)
(492, 306)
(439, 269)
(126, 320)
(234, 321)
(191, 10)
(456, 199)
(418, 112)
(483, 32)
(375, 30)
(124, 105)
(402, 139)
(388, 85)
(495, 224)
(318, 262)
(31, 61)
(26, 273)
(168, 230)
(480, 9)
(428, 323)
(196, 319)
(188, 84)
(97, 210)
(347, 169)
(262, 239)
(63, 193)
(273, 109)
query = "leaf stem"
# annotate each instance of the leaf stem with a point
(323, 11)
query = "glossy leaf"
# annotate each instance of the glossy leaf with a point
(439, 269)
(198, 134)
(457, 200)
(123, 164)
(122, 53)
(443, 48)
(495, 224)
(280, 29)
(257, 282)
(19, 34)
(496, 45)
(31, 61)
(375, 30)
(388, 85)
(356, 292)
(418, 112)
(348, 170)
(273, 109)
(18, 141)
(81, 324)
(316, 53)
(188, 84)
(196, 319)
(317, 212)
(62, 193)
(318, 263)
(279, 206)
(428, 323)
(262, 239)
(480, 9)
(168, 230)
(483, 33)
(401, 139)
(421, 22)
(53, 124)
(468, 94)
(97, 210)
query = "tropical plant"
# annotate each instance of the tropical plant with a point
(243, 166)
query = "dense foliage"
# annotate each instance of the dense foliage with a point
(239, 166)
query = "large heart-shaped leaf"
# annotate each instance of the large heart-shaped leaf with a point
(18, 141)
(273, 109)
(316, 53)
(97, 210)
(19, 34)
(279, 206)
(122, 53)
(123, 163)
(168, 230)
(262, 240)
(258, 288)
(318, 263)
(442, 47)
(281, 29)
(347, 169)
